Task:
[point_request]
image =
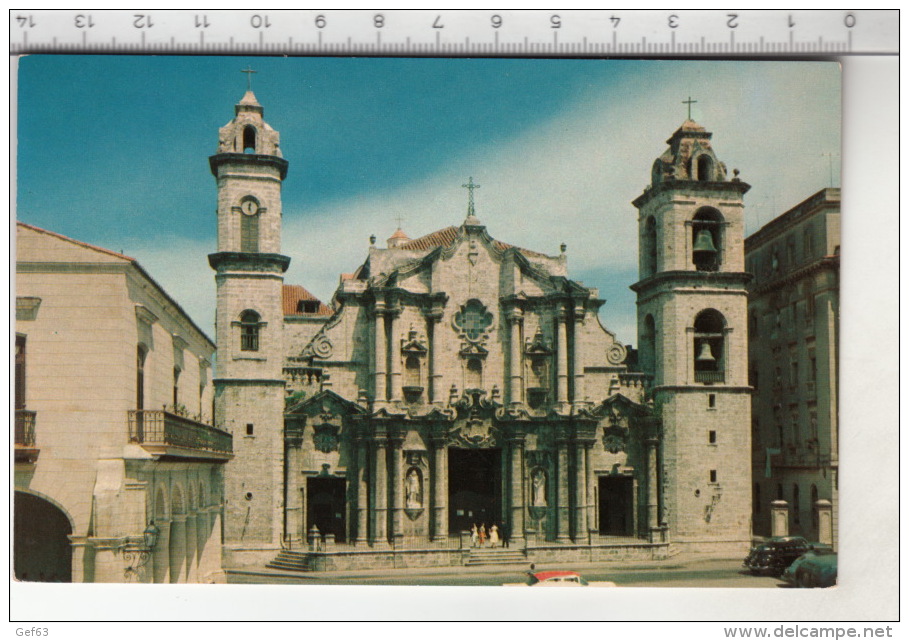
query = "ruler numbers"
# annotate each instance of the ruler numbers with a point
(424, 32)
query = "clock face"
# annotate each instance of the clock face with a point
(249, 207)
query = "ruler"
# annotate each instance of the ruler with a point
(531, 33)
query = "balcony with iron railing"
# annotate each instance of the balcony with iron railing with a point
(26, 452)
(709, 376)
(166, 433)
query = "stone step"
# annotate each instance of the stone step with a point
(287, 560)
(495, 556)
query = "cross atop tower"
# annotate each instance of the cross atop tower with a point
(400, 220)
(249, 71)
(470, 186)
(689, 102)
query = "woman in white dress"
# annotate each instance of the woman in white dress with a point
(473, 536)
(493, 535)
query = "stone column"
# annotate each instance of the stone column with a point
(561, 360)
(516, 453)
(580, 494)
(362, 491)
(516, 387)
(439, 488)
(562, 490)
(577, 360)
(192, 568)
(592, 526)
(824, 521)
(177, 547)
(396, 444)
(380, 356)
(779, 518)
(161, 555)
(293, 516)
(435, 376)
(653, 496)
(394, 321)
(380, 490)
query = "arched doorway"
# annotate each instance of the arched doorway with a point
(474, 488)
(41, 546)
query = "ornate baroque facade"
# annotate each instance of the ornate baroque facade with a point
(458, 380)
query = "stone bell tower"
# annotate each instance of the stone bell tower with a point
(249, 397)
(692, 306)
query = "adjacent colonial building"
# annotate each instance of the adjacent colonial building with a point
(456, 381)
(793, 310)
(118, 469)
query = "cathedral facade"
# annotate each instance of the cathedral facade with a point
(458, 382)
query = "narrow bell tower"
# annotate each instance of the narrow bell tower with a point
(692, 306)
(249, 398)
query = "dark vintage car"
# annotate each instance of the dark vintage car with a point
(776, 554)
(816, 569)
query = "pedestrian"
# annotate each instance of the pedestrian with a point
(493, 536)
(504, 536)
(482, 534)
(473, 536)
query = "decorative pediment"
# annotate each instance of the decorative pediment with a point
(325, 403)
(473, 349)
(474, 426)
(539, 345)
(620, 416)
(414, 344)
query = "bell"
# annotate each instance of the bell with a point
(706, 356)
(704, 242)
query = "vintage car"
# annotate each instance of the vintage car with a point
(559, 579)
(816, 569)
(789, 575)
(775, 554)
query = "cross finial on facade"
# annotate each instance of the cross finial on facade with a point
(470, 186)
(249, 71)
(689, 102)
(400, 220)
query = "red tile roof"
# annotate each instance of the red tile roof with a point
(445, 237)
(293, 295)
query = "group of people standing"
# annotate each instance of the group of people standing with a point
(479, 536)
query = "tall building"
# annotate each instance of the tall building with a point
(793, 312)
(692, 337)
(118, 470)
(458, 381)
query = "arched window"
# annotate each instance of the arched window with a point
(796, 517)
(249, 232)
(20, 372)
(814, 499)
(707, 240)
(141, 353)
(412, 371)
(647, 354)
(249, 331)
(705, 167)
(176, 387)
(649, 247)
(249, 140)
(474, 374)
(709, 339)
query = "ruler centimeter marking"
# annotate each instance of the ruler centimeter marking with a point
(709, 33)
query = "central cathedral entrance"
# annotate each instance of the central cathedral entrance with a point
(474, 488)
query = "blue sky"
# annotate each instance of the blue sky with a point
(113, 150)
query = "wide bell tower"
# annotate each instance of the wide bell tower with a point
(692, 307)
(249, 397)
